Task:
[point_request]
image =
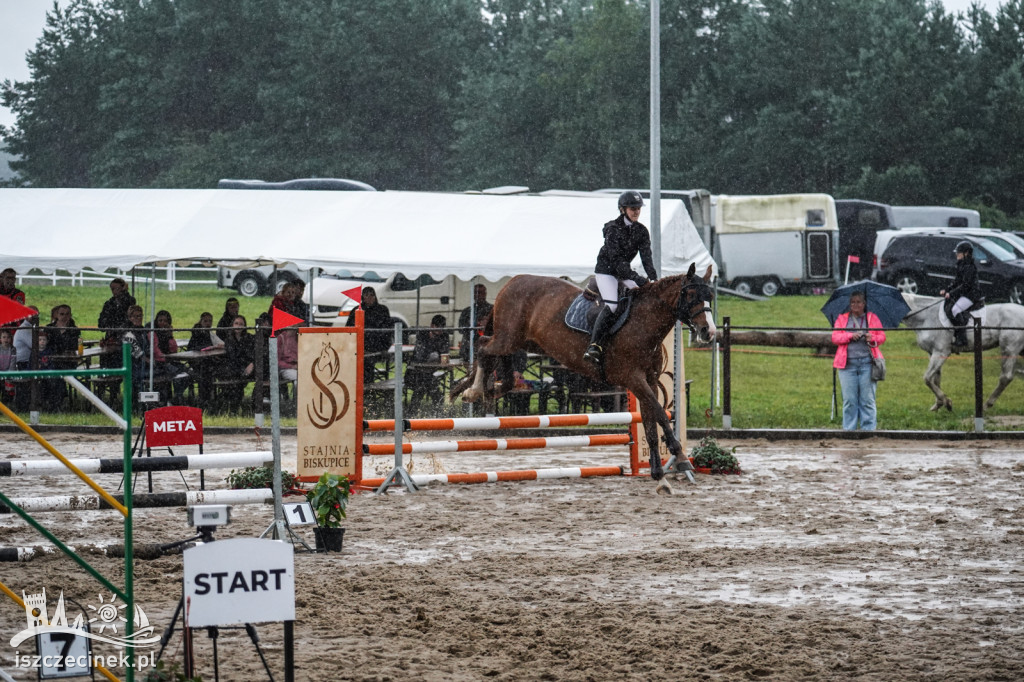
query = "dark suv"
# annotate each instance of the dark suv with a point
(926, 264)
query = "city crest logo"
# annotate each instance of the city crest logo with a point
(107, 615)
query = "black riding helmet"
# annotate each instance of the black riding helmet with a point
(965, 248)
(630, 199)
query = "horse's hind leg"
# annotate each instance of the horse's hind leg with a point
(1005, 377)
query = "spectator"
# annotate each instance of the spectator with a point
(137, 338)
(239, 361)
(164, 348)
(285, 300)
(430, 346)
(472, 327)
(227, 319)
(63, 335)
(8, 362)
(23, 353)
(301, 308)
(202, 337)
(288, 354)
(8, 286)
(114, 316)
(23, 339)
(854, 353)
(114, 320)
(52, 388)
(378, 335)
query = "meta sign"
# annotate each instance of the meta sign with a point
(174, 425)
(243, 580)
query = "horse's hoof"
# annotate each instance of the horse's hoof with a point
(664, 488)
(657, 471)
(471, 395)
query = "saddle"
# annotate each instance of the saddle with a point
(976, 310)
(584, 309)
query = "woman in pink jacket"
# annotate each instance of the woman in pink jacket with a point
(857, 337)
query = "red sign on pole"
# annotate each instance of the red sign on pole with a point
(174, 425)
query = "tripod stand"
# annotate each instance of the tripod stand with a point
(206, 536)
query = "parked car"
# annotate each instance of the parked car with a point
(924, 264)
(1011, 241)
(260, 280)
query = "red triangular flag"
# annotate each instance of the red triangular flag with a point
(355, 293)
(12, 311)
(283, 319)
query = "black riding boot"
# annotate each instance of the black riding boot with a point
(595, 351)
(960, 330)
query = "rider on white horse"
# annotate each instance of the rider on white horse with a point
(965, 287)
(624, 238)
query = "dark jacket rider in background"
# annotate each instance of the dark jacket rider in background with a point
(963, 293)
(624, 238)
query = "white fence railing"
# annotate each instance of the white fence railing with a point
(168, 275)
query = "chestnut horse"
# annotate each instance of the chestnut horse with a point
(529, 313)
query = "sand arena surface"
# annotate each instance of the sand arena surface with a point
(869, 560)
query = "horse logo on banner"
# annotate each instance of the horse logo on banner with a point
(331, 400)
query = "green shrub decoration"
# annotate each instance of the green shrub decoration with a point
(329, 497)
(258, 477)
(708, 454)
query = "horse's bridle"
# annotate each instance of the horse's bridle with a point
(684, 313)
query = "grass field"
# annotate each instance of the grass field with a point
(771, 387)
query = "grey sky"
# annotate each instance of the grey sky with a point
(22, 21)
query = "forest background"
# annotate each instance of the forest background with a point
(895, 101)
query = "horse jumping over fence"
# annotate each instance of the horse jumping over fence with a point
(529, 313)
(1003, 327)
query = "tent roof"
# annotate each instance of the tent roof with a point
(414, 233)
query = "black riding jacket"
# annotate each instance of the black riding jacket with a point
(622, 242)
(966, 281)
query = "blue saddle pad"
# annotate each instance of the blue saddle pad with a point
(582, 312)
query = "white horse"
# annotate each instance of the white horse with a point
(1002, 325)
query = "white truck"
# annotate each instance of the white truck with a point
(413, 302)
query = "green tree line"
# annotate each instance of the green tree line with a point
(895, 101)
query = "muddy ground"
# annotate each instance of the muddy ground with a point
(868, 560)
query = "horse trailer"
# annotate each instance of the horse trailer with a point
(859, 224)
(769, 243)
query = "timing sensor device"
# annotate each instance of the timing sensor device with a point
(209, 515)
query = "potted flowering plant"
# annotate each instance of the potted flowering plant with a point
(329, 498)
(710, 457)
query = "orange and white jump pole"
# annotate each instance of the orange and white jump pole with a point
(499, 444)
(494, 476)
(524, 422)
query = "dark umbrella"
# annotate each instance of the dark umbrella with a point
(882, 300)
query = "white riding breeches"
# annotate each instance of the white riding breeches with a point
(608, 285)
(961, 305)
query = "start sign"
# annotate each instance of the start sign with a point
(174, 425)
(244, 580)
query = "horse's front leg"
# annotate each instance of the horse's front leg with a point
(933, 380)
(653, 415)
(482, 369)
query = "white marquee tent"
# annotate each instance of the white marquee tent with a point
(414, 233)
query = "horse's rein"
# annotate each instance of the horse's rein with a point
(930, 305)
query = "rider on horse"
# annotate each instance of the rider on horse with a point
(965, 287)
(624, 237)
